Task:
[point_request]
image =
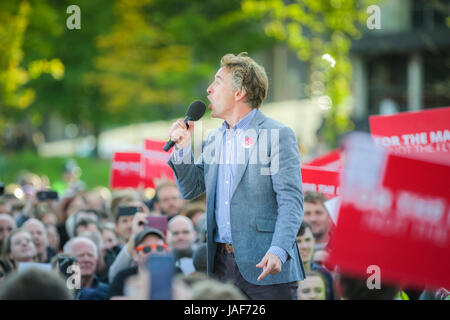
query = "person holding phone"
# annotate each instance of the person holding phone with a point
(124, 215)
(136, 214)
(146, 242)
(33, 200)
(250, 171)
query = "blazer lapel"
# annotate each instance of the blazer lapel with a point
(240, 168)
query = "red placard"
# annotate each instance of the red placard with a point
(125, 170)
(322, 174)
(330, 161)
(320, 180)
(425, 132)
(154, 163)
(395, 216)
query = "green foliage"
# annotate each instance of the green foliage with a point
(142, 60)
(95, 172)
(74, 99)
(15, 94)
(161, 53)
(314, 28)
(131, 61)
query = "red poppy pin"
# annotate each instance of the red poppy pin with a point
(248, 142)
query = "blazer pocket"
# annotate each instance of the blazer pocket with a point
(265, 225)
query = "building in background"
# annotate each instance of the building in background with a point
(405, 65)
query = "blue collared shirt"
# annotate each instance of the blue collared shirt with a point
(225, 177)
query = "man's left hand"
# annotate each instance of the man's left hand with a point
(271, 264)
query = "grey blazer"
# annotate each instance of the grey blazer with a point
(266, 202)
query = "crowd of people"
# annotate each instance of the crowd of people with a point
(94, 245)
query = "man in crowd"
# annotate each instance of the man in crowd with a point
(86, 252)
(102, 267)
(305, 243)
(73, 220)
(168, 199)
(148, 241)
(39, 233)
(181, 239)
(317, 216)
(87, 224)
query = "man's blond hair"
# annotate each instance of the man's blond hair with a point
(248, 76)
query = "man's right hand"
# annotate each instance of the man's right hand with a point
(180, 134)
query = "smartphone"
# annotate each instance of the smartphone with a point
(162, 270)
(47, 195)
(128, 211)
(158, 222)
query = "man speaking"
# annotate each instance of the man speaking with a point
(250, 171)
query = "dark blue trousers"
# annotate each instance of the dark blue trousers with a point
(226, 269)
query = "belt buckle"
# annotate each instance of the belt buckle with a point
(229, 248)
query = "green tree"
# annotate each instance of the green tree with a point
(161, 53)
(16, 71)
(74, 99)
(131, 60)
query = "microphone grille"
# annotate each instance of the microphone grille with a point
(196, 110)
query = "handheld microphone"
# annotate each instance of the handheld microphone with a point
(195, 111)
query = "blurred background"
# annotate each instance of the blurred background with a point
(134, 66)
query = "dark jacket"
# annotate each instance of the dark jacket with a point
(97, 291)
(118, 283)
